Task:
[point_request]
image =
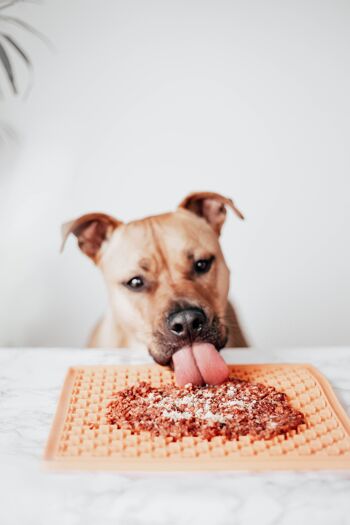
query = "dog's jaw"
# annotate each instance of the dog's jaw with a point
(163, 347)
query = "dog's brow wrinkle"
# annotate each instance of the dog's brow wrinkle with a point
(145, 265)
(159, 247)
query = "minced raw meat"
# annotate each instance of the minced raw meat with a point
(234, 408)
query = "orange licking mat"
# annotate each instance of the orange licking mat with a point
(81, 438)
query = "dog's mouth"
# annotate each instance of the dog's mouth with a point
(196, 359)
(199, 364)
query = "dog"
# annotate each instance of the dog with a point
(166, 277)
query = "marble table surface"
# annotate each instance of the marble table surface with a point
(30, 383)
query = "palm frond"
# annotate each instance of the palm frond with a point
(18, 48)
(5, 4)
(24, 25)
(5, 60)
(20, 51)
(8, 133)
(8, 41)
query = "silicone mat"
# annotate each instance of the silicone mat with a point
(80, 437)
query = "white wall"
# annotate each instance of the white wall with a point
(145, 101)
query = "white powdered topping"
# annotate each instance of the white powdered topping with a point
(237, 403)
(199, 406)
(174, 415)
(232, 391)
(213, 417)
(207, 394)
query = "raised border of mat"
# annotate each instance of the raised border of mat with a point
(253, 462)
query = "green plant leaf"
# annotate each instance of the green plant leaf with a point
(4, 59)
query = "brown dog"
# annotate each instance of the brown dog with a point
(166, 277)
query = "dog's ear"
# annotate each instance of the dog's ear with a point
(210, 206)
(91, 230)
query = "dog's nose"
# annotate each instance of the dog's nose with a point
(187, 323)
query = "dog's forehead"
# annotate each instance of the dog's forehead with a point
(182, 231)
(174, 235)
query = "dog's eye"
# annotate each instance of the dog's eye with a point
(136, 283)
(203, 265)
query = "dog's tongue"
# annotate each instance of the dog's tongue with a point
(199, 364)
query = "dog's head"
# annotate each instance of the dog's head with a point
(166, 275)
